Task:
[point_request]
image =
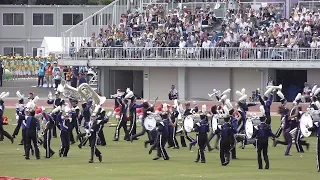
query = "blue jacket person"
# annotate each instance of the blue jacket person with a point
(202, 129)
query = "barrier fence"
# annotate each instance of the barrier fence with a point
(196, 53)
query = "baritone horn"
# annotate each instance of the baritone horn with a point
(69, 91)
(87, 92)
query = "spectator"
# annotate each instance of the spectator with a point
(2, 71)
(82, 79)
(173, 94)
(270, 82)
(41, 74)
(57, 75)
(48, 75)
(306, 92)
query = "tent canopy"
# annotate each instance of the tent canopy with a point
(51, 45)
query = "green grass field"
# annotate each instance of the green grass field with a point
(125, 160)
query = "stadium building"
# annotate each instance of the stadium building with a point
(151, 70)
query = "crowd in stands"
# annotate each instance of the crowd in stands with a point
(191, 31)
(45, 69)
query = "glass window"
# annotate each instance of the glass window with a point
(8, 51)
(37, 19)
(48, 19)
(106, 18)
(77, 18)
(18, 52)
(18, 19)
(67, 19)
(34, 52)
(7, 18)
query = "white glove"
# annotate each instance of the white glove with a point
(43, 108)
(149, 112)
(109, 114)
(317, 124)
(219, 126)
(256, 127)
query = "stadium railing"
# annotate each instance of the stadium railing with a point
(312, 5)
(281, 8)
(195, 54)
(109, 14)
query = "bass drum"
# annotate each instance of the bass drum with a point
(150, 123)
(305, 123)
(189, 122)
(249, 128)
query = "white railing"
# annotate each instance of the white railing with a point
(312, 5)
(197, 53)
(108, 15)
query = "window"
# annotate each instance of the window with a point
(13, 19)
(34, 52)
(13, 51)
(106, 19)
(42, 19)
(72, 19)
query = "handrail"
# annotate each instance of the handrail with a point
(94, 14)
(196, 53)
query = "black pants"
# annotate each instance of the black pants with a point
(93, 143)
(225, 146)
(133, 125)
(0, 80)
(32, 138)
(101, 137)
(318, 153)
(279, 131)
(40, 80)
(262, 145)
(202, 140)
(47, 143)
(65, 143)
(57, 82)
(172, 141)
(17, 129)
(152, 136)
(83, 140)
(268, 120)
(299, 143)
(74, 125)
(3, 132)
(161, 150)
(121, 124)
(143, 131)
(54, 129)
(233, 149)
(183, 141)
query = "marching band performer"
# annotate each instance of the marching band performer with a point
(226, 131)
(133, 116)
(49, 125)
(146, 108)
(101, 115)
(56, 102)
(75, 111)
(64, 119)
(172, 141)
(266, 102)
(32, 126)
(162, 137)
(316, 127)
(20, 113)
(123, 120)
(188, 111)
(283, 104)
(262, 135)
(2, 131)
(85, 114)
(202, 129)
(286, 130)
(94, 127)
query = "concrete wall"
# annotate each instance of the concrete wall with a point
(160, 81)
(313, 76)
(250, 79)
(201, 81)
(30, 36)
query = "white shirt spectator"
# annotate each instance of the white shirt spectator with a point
(206, 44)
(182, 44)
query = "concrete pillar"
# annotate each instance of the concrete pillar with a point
(146, 83)
(104, 81)
(182, 83)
